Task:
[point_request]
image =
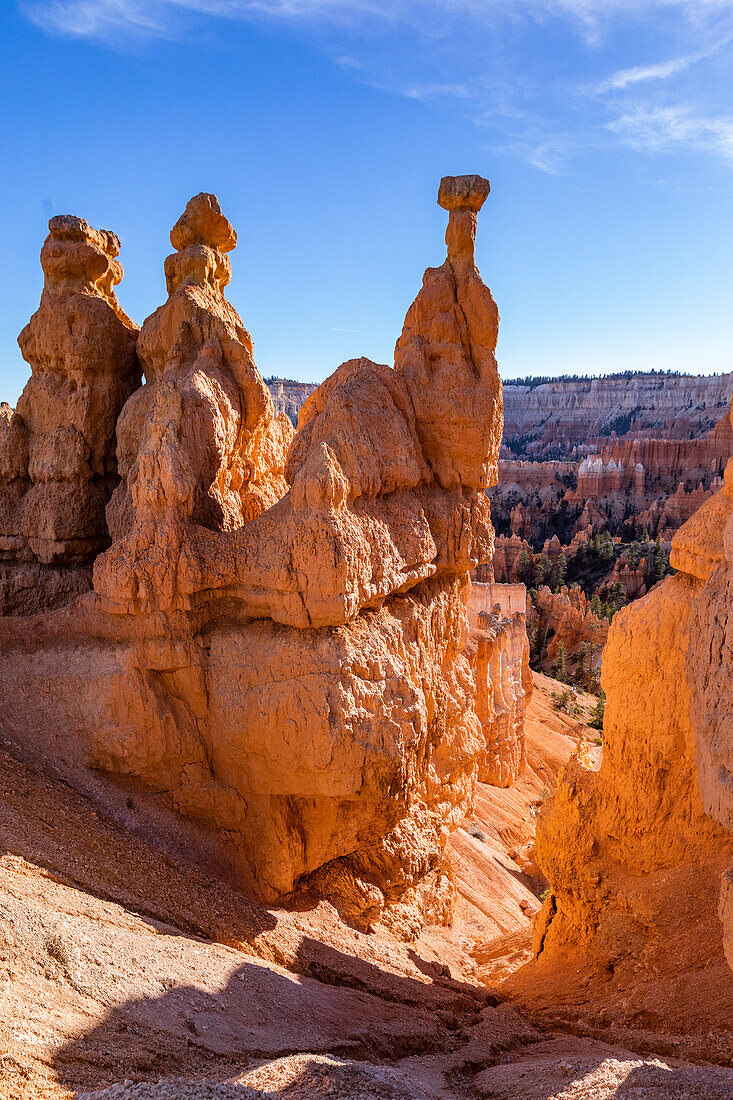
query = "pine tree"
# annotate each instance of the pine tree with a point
(524, 567)
(661, 560)
(606, 547)
(559, 573)
(542, 569)
(585, 665)
(559, 667)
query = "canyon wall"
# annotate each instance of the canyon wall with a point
(565, 413)
(271, 675)
(614, 410)
(634, 852)
(705, 546)
(288, 396)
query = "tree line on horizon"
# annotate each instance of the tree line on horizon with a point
(534, 380)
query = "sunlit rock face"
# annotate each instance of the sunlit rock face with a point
(57, 449)
(272, 665)
(636, 416)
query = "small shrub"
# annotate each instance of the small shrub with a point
(563, 700)
(477, 833)
(599, 712)
(56, 947)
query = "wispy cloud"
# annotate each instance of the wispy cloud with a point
(95, 18)
(640, 73)
(664, 129)
(483, 55)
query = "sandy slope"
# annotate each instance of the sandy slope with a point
(118, 964)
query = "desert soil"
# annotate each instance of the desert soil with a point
(127, 976)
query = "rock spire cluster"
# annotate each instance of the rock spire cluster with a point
(273, 655)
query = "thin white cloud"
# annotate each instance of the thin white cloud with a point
(664, 129)
(433, 91)
(639, 73)
(97, 18)
(482, 54)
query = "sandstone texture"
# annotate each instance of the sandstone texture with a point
(122, 966)
(653, 824)
(273, 657)
(499, 653)
(128, 974)
(706, 546)
(57, 449)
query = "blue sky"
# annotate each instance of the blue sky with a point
(324, 126)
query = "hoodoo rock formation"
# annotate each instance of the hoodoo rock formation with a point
(499, 653)
(634, 852)
(197, 357)
(57, 449)
(271, 667)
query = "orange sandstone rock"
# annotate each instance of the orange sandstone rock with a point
(273, 657)
(634, 852)
(57, 461)
(499, 653)
(202, 381)
(706, 544)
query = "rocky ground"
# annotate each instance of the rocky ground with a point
(127, 976)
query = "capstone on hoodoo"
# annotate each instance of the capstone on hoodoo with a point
(272, 663)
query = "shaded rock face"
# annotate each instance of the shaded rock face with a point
(655, 822)
(499, 653)
(57, 450)
(709, 549)
(272, 659)
(565, 618)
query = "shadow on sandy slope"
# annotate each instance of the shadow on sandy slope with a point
(214, 1026)
(52, 826)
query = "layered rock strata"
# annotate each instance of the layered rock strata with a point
(57, 449)
(271, 667)
(289, 396)
(548, 420)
